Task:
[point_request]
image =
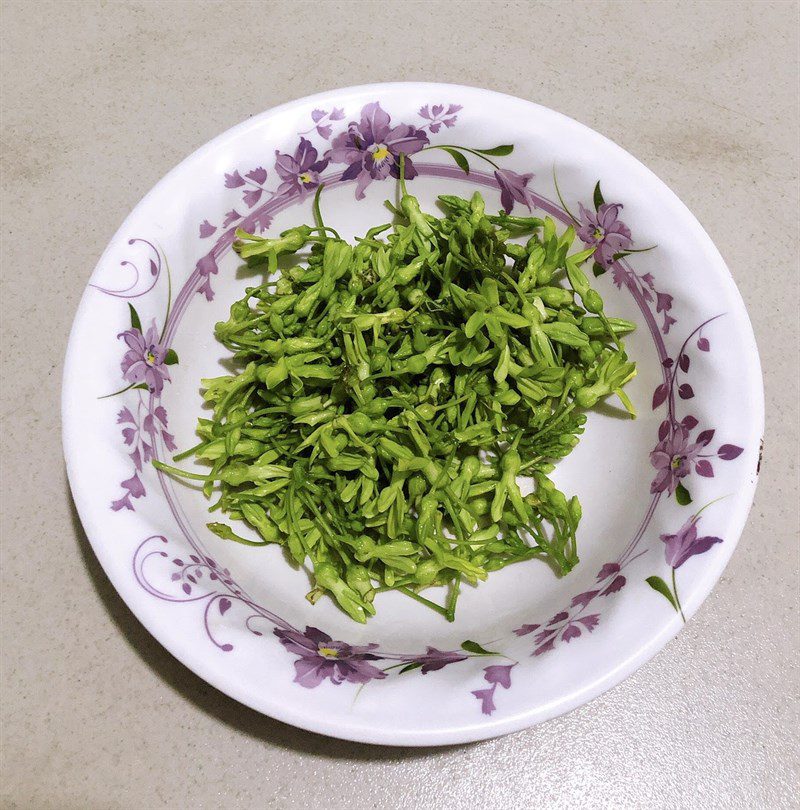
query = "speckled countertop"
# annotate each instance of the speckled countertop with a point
(99, 100)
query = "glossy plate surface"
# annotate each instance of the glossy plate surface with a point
(526, 646)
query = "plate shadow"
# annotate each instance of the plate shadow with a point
(211, 701)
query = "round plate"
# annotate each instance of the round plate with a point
(664, 496)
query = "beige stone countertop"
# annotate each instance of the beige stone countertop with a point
(99, 100)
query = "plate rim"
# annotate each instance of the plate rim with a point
(457, 732)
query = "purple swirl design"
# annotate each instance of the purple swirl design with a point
(153, 273)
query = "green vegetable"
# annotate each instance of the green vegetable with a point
(391, 394)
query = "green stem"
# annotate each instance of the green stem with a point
(396, 666)
(462, 149)
(561, 199)
(323, 228)
(710, 503)
(450, 613)
(358, 692)
(403, 173)
(552, 424)
(169, 294)
(677, 599)
(528, 464)
(422, 600)
(611, 333)
(191, 451)
(401, 583)
(166, 468)
(121, 391)
(318, 214)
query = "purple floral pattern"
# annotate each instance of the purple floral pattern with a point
(322, 122)
(645, 287)
(318, 657)
(145, 360)
(146, 272)
(673, 457)
(573, 621)
(514, 188)
(140, 433)
(144, 367)
(439, 115)
(253, 190)
(252, 185)
(496, 675)
(434, 660)
(612, 240)
(369, 149)
(678, 548)
(300, 171)
(321, 658)
(679, 452)
(605, 231)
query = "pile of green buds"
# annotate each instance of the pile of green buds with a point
(392, 394)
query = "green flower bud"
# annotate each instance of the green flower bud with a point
(427, 572)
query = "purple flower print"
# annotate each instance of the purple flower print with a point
(498, 674)
(206, 267)
(322, 119)
(669, 321)
(371, 148)
(526, 629)
(604, 230)
(620, 276)
(645, 285)
(676, 455)
(299, 172)
(207, 229)
(678, 548)
(256, 222)
(141, 451)
(572, 622)
(617, 584)
(438, 115)
(134, 488)
(514, 188)
(252, 185)
(685, 544)
(234, 180)
(144, 360)
(232, 216)
(608, 570)
(486, 697)
(257, 175)
(140, 435)
(155, 423)
(673, 457)
(663, 302)
(321, 657)
(437, 659)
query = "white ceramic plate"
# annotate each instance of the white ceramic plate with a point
(237, 616)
